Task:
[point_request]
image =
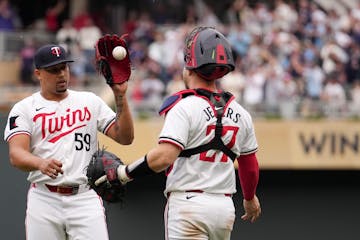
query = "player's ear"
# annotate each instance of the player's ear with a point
(188, 72)
(37, 74)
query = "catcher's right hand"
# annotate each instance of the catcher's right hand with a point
(114, 71)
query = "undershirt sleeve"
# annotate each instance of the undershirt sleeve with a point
(248, 172)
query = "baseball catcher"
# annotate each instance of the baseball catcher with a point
(104, 163)
(114, 71)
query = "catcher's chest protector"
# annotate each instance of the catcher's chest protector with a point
(218, 101)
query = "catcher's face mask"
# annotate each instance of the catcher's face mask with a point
(208, 53)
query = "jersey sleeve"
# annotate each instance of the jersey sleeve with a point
(106, 116)
(18, 122)
(249, 144)
(175, 128)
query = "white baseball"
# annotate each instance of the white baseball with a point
(119, 53)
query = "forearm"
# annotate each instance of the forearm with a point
(248, 172)
(154, 159)
(24, 160)
(123, 127)
(157, 160)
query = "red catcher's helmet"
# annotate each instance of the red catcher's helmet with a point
(208, 53)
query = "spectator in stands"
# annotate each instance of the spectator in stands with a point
(254, 88)
(159, 52)
(52, 16)
(353, 65)
(206, 15)
(285, 15)
(88, 36)
(9, 20)
(233, 12)
(176, 84)
(191, 16)
(67, 36)
(304, 12)
(313, 77)
(234, 82)
(130, 23)
(153, 91)
(27, 66)
(333, 96)
(333, 56)
(355, 12)
(80, 19)
(355, 99)
(288, 97)
(272, 89)
(240, 39)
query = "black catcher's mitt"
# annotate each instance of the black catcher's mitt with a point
(105, 163)
(114, 71)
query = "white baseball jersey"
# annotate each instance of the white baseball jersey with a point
(65, 130)
(191, 123)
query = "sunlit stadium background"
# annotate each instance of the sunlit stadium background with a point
(297, 72)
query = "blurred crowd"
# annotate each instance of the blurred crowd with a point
(293, 58)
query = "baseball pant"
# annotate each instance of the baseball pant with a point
(55, 216)
(199, 216)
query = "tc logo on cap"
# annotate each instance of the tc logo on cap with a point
(56, 51)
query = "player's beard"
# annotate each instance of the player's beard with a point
(61, 90)
(61, 87)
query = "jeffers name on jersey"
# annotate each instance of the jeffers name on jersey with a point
(228, 114)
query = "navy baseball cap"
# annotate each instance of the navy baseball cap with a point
(50, 55)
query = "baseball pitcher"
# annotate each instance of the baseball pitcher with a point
(52, 134)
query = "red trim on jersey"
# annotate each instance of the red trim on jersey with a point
(248, 173)
(227, 104)
(169, 169)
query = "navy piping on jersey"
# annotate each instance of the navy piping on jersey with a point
(249, 152)
(173, 140)
(108, 124)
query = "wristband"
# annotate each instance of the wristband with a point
(122, 174)
(139, 168)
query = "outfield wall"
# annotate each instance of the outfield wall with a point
(282, 144)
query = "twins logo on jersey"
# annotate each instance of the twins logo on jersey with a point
(51, 124)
